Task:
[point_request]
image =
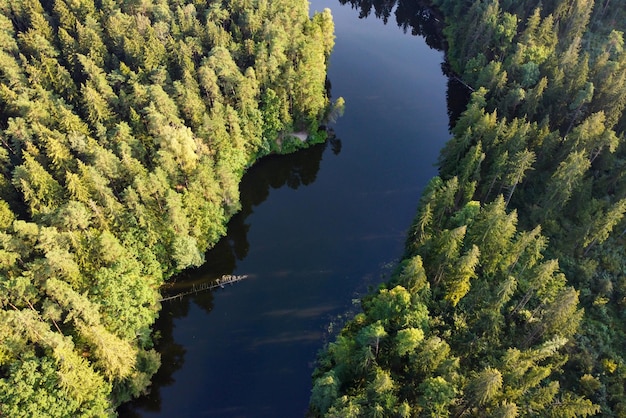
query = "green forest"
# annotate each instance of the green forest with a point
(126, 127)
(510, 299)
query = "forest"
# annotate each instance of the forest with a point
(510, 298)
(126, 127)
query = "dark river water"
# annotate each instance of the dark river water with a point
(316, 229)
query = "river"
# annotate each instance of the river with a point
(317, 228)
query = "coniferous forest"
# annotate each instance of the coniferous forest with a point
(125, 129)
(510, 299)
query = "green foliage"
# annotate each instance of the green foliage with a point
(33, 390)
(324, 391)
(485, 386)
(436, 396)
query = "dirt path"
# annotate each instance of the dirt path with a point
(302, 135)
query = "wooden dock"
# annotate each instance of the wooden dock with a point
(219, 282)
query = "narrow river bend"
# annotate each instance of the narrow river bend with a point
(316, 229)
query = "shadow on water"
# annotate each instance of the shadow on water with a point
(421, 19)
(417, 16)
(273, 172)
